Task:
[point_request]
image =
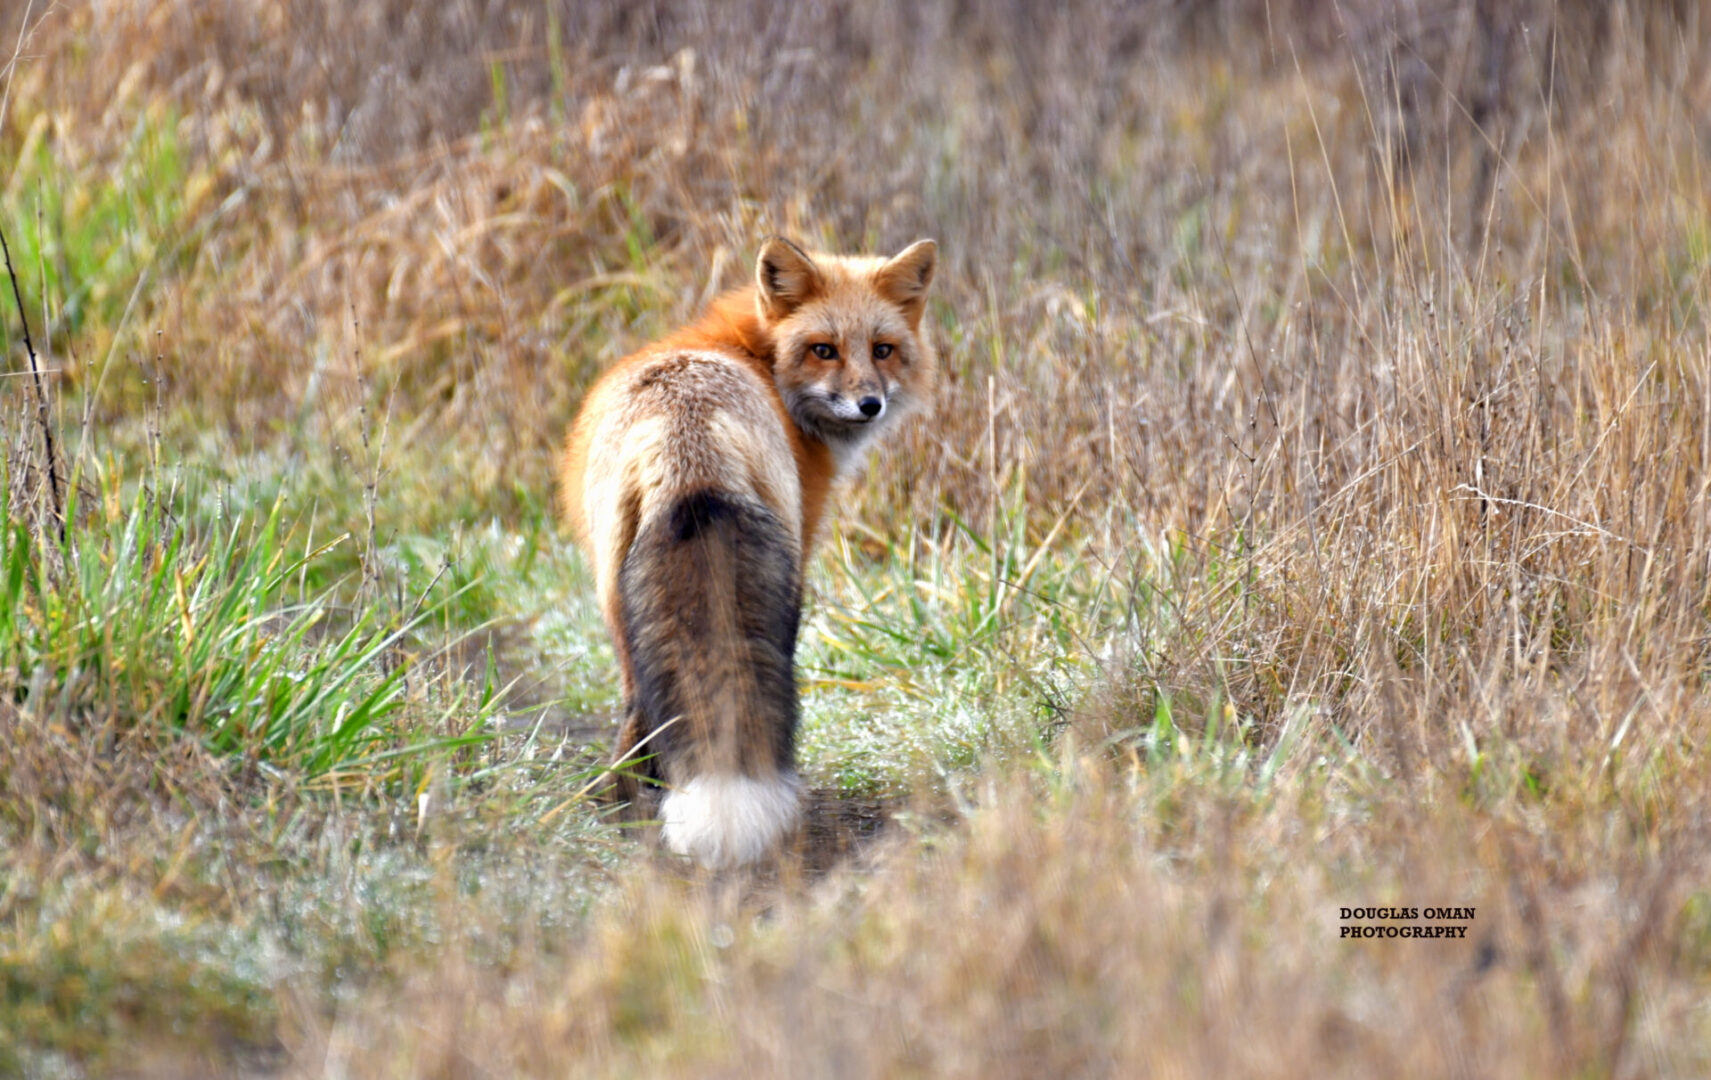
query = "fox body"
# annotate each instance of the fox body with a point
(695, 477)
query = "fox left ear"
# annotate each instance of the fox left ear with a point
(905, 276)
(785, 278)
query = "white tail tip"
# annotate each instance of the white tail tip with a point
(724, 821)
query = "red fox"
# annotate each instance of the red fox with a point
(695, 477)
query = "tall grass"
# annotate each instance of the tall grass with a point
(1314, 515)
(144, 620)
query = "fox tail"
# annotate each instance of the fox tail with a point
(711, 596)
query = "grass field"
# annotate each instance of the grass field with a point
(1316, 515)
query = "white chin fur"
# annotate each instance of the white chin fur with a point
(724, 821)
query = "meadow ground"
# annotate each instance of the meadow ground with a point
(1317, 515)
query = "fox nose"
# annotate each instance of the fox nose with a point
(870, 406)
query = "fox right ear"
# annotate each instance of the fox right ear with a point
(905, 276)
(785, 277)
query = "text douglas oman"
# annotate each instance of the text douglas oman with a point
(1404, 914)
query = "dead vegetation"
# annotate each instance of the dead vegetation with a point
(1320, 492)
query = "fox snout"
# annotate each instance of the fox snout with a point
(863, 386)
(856, 408)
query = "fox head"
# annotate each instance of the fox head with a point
(849, 357)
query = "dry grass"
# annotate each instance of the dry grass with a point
(1318, 514)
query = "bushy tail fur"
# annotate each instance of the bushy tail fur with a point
(711, 595)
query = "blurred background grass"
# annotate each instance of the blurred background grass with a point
(1315, 515)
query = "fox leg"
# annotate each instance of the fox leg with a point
(611, 543)
(625, 787)
(627, 774)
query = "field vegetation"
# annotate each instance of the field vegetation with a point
(1316, 514)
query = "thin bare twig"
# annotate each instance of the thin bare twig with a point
(41, 391)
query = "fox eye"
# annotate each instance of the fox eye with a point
(881, 351)
(826, 352)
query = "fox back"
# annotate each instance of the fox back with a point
(695, 476)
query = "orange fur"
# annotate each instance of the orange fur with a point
(734, 326)
(731, 324)
(696, 476)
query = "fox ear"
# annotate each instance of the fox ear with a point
(904, 278)
(785, 277)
